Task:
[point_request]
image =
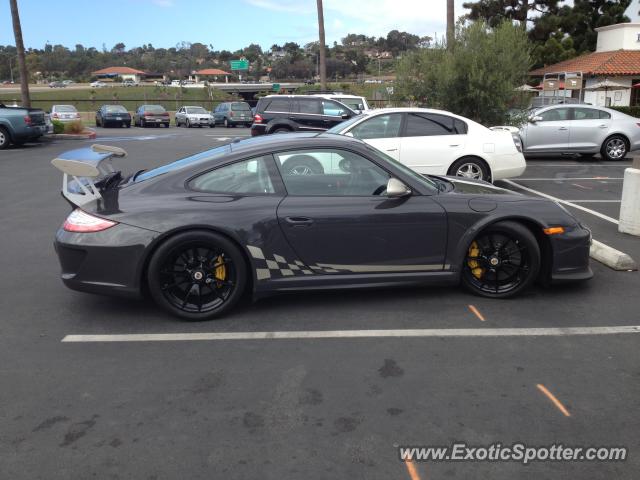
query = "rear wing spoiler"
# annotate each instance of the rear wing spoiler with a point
(83, 168)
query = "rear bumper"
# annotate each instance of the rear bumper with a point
(107, 262)
(507, 166)
(258, 129)
(29, 133)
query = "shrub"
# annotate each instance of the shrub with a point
(633, 111)
(74, 127)
(58, 126)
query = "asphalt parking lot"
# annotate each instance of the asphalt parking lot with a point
(270, 407)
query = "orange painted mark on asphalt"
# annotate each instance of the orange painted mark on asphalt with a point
(476, 312)
(553, 399)
(411, 468)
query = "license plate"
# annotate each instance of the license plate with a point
(158, 120)
(118, 118)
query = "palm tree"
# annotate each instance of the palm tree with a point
(450, 24)
(323, 60)
(22, 63)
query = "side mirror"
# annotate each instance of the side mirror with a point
(535, 119)
(397, 189)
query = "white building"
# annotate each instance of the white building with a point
(617, 58)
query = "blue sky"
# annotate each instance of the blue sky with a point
(226, 24)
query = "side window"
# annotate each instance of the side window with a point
(278, 105)
(381, 126)
(604, 115)
(554, 115)
(333, 109)
(308, 105)
(330, 172)
(250, 177)
(429, 124)
(586, 114)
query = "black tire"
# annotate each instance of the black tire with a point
(143, 124)
(226, 123)
(281, 130)
(188, 264)
(302, 165)
(187, 123)
(177, 123)
(166, 125)
(212, 125)
(614, 148)
(128, 124)
(5, 139)
(502, 261)
(470, 167)
(97, 124)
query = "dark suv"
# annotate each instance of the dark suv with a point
(297, 113)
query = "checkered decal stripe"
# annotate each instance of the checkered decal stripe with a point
(277, 266)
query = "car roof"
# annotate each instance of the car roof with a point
(296, 139)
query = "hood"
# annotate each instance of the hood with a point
(470, 186)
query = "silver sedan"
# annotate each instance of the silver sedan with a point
(580, 129)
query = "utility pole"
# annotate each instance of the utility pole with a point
(22, 62)
(451, 27)
(11, 68)
(323, 58)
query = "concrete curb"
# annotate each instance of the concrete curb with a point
(611, 257)
(91, 134)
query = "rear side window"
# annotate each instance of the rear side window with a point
(185, 162)
(278, 105)
(604, 115)
(249, 177)
(430, 124)
(308, 105)
(555, 115)
(586, 114)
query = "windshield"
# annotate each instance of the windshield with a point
(184, 162)
(344, 125)
(154, 109)
(115, 109)
(196, 110)
(65, 108)
(240, 107)
(422, 180)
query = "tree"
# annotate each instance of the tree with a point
(22, 62)
(323, 58)
(494, 12)
(465, 79)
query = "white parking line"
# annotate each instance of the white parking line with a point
(595, 201)
(581, 165)
(564, 202)
(564, 179)
(427, 332)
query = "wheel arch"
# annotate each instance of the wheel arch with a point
(281, 123)
(616, 134)
(153, 247)
(536, 229)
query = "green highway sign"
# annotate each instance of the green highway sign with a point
(239, 64)
(275, 87)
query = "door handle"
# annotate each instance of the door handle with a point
(299, 221)
(392, 150)
(455, 145)
(602, 126)
(563, 128)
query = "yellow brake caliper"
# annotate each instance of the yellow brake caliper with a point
(476, 270)
(220, 271)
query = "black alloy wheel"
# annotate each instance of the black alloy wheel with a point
(503, 260)
(197, 275)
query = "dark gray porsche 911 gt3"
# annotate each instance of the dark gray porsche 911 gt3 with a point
(199, 232)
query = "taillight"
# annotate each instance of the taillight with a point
(27, 120)
(257, 118)
(77, 115)
(518, 142)
(81, 222)
(55, 115)
(147, 114)
(231, 114)
(165, 114)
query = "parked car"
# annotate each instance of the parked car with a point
(98, 84)
(129, 83)
(20, 124)
(194, 117)
(231, 114)
(113, 115)
(68, 82)
(147, 115)
(354, 102)
(198, 234)
(297, 113)
(580, 129)
(438, 143)
(57, 85)
(64, 113)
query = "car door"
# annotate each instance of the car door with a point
(588, 128)
(549, 132)
(307, 113)
(343, 223)
(333, 113)
(431, 142)
(381, 132)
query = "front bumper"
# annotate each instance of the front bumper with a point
(107, 262)
(201, 121)
(571, 255)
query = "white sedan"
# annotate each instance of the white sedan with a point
(438, 142)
